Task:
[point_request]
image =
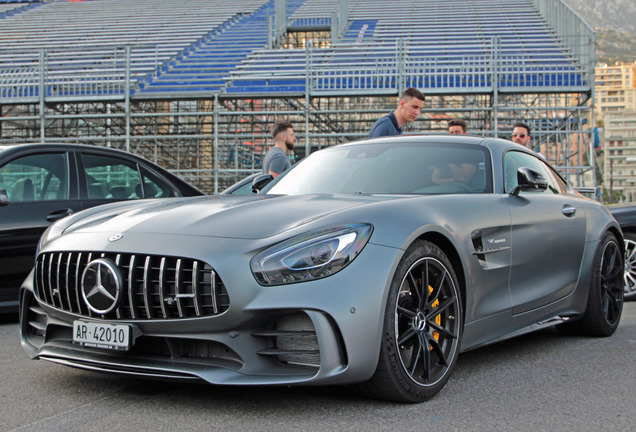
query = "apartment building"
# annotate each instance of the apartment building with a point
(614, 88)
(620, 153)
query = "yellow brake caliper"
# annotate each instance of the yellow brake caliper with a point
(438, 318)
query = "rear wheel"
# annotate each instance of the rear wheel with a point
(422, 328)
(605, 297)
(630, 266)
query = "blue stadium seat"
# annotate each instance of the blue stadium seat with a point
(203, 46)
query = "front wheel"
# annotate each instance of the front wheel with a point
(422, 328)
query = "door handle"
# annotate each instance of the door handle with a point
(568, 210)
(59, 214)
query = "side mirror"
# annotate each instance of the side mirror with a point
(4, 198)
(261, 181)
(528, 180)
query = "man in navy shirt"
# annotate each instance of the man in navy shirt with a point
(409, 107)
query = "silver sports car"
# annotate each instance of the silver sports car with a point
(373, 263)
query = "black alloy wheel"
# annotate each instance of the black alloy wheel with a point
(605, 296)
(612, 282)
(422, 327)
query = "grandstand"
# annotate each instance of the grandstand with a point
(195, 84)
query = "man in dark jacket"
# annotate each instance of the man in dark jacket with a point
(409, 107)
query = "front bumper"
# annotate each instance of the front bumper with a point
(320, 332)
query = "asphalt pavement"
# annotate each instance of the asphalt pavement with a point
(539, 382)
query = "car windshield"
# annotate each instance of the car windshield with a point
(381, 168)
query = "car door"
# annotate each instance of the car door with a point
(40, 190)
(548, 236)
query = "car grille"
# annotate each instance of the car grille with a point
(153, 287)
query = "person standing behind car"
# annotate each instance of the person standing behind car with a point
(457, 127)
(521, 134)
(276, 160)
(409, 107)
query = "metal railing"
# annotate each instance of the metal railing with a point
(563, 20)
(354, 70)
(67, 74)
(568, 60)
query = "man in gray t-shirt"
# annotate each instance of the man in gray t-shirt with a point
(276, 160)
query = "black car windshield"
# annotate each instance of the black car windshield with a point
(381, 168)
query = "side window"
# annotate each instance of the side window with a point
(245, 189)
(42, 177)
(514, 160)
(155, 186)
(558, 181)
(109, 177)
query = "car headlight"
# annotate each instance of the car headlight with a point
(310, 256)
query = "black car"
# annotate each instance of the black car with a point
(625, 215)
(41, 183)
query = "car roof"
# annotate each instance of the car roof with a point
(438, 139)
(15, 148)
(7, 150)
(492, 143)
(471, 139)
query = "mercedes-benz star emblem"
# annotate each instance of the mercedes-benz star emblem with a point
(101, 286)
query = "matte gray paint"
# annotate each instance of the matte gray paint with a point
(227, 232)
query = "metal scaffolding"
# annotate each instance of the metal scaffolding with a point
(213, 139)
(213, 143)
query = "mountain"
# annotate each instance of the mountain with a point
(615, 24)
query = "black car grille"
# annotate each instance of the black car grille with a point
(153, 287)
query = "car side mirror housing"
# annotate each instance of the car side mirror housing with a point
(4, 198)
(261, 181)
(528, 180)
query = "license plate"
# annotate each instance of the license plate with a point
(101, 335)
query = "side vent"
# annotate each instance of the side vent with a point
(293, 341)
(35, 323)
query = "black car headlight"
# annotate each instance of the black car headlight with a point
(310, 256)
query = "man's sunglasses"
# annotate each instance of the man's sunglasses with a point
(519, 135)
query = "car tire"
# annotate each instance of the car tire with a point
(605, 296)
(421, 333)
(630, 266)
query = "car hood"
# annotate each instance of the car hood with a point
(244, 217)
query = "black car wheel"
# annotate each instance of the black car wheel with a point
(630, 266)
(422, 327)
(605, 297)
